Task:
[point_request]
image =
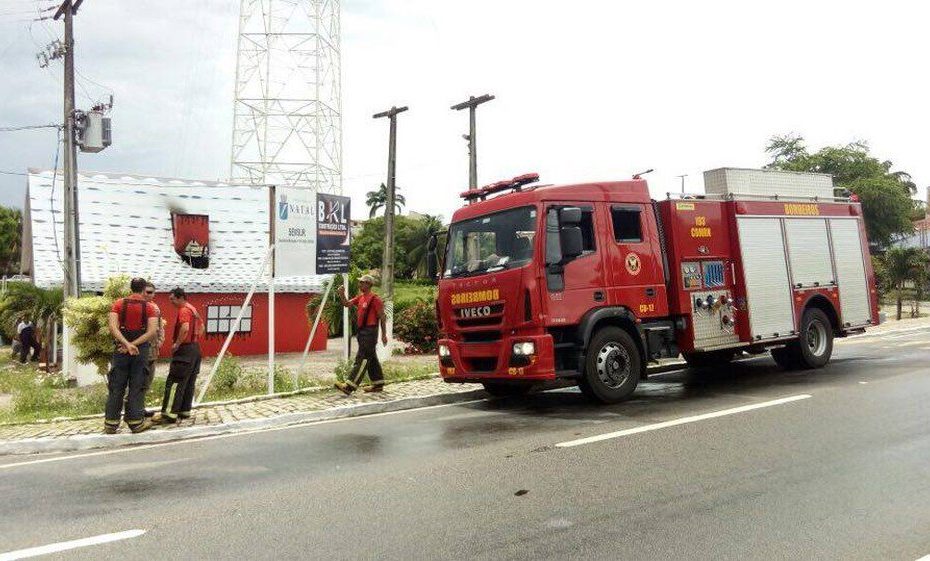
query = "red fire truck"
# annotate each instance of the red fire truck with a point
(591, 282)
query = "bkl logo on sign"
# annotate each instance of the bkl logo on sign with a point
(331, 212)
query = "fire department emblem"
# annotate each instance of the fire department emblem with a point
(633, 265)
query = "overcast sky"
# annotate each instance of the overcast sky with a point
(586, 90)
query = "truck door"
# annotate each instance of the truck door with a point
(634, 261)
(573, 286)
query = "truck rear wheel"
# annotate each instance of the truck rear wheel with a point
(814, 346)
(503, 389)
(612, 366)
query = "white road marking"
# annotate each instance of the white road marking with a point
(73, 544)
(924, 558)
(681, 421)
(863, 383)
(226, 435)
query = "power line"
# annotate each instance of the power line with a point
(29, 128)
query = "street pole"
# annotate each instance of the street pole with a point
(72, 280)
(387, 263)
(72, 242)
(472, 103)
(682, 177)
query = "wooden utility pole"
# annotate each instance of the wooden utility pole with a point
(472, 103)
(387, 263)
(72, 240)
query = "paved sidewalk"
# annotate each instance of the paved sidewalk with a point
(242, 410)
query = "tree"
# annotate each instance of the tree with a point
(885, 195)
(420, 234)
(41, 305)
(904, 264)
(376, 200)
(11, 228)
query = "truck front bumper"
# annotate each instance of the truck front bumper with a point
(496, 361)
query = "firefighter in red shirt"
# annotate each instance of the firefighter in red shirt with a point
(369, 315)
(133, 322)
(185, 361)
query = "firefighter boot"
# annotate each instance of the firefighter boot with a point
(140, 426)
(344, 388)
(373, 388)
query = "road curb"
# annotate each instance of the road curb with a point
(100, 441)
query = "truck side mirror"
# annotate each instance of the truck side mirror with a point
(432, 262)
(572, 245)
(432, 265)
(570, 216)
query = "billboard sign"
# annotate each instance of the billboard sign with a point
(333, 234)
(295, 232)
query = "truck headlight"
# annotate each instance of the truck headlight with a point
(526, 348)
(444, 351)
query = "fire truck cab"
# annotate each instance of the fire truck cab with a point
(591, 282)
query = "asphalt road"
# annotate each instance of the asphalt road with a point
(838, 471)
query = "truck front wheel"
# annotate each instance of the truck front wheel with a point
(612, 366)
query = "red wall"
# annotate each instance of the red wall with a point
(292, 328)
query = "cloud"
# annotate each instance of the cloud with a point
(585, 90)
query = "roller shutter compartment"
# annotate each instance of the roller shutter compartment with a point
(765, 271)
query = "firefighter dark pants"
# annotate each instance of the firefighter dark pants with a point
(126, 372)
(366, 360)
(182, 377)
(147, 383)
(27, 342)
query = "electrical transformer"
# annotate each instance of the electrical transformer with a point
(95, 134)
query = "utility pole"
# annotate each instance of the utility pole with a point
(682, 177)
(387, 263)
(472, 103)
(72, 242)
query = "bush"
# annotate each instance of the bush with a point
(227, 375)
(88, 316)
(416, 326)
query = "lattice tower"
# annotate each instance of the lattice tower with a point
(287, 127)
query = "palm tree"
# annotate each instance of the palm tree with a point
(423, 229)
(903, 264)
(376, 200)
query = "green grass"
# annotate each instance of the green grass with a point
(37, 396)
(405, 293)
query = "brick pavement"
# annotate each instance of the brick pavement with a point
(256, 409)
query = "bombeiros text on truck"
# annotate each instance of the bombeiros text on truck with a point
(589, 283)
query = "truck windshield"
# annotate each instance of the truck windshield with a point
(491, 243)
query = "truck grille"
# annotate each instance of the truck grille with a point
(481, 336)
(488, 364)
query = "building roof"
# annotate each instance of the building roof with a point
(126, 228)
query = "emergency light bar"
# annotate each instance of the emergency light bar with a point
(515, 184)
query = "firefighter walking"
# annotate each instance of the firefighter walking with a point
(369, 315)
(185, 361)
(132, 322)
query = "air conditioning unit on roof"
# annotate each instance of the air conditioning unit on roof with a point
(767, 183)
